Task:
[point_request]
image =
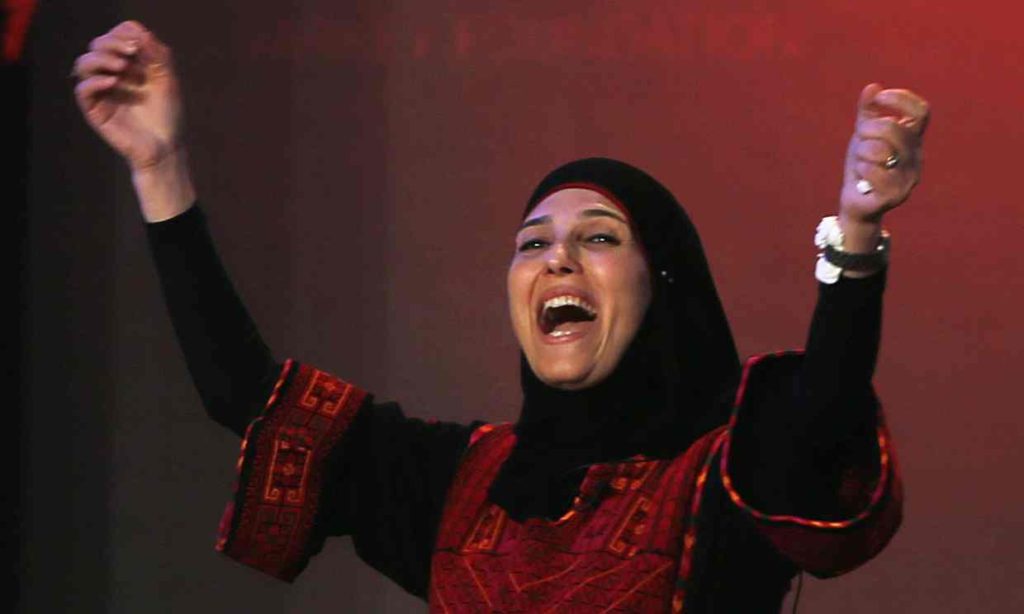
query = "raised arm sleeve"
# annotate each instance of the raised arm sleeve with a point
(231, 367)
(834, 385)
(809, 457)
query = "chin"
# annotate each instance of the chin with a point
(566, 377)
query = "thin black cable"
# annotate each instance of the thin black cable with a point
(799, 587)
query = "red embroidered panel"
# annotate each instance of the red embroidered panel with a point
(281, 470)
(621, 553)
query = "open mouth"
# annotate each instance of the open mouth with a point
(564, 315)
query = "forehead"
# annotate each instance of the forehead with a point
(571, 202)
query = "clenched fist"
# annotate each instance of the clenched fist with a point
(883, 161)
(128, 93)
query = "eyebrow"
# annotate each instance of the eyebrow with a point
(587, 213)
(603, 213)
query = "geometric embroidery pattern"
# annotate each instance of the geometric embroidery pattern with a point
(617, 549)
(281, 470)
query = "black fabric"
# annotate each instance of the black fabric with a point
(666, 390)
(231, 367)
(734, 567)
(390, 480)
(391, 472)
(804, 429)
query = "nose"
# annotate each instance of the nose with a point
(561, 260)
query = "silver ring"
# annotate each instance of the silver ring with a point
(864, 186)
(892, 161)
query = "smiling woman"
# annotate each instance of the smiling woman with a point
(647, 471)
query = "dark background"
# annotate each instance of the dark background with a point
(363, 165)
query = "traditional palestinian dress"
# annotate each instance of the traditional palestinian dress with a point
(681, 483)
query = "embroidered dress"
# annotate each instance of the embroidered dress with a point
(643, 535)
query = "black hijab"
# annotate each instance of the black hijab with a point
(669, 386)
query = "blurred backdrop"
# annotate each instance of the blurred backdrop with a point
(364, 164)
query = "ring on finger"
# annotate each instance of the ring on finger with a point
(892, 161)
(864, 186)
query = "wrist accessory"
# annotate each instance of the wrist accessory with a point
(832, 260)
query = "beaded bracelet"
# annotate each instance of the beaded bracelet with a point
(832, 260)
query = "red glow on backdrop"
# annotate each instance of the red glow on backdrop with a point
(674, 36)
(17, 16)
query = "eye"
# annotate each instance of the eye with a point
(603, 237)
(532, 244)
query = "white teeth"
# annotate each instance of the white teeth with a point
(562, 301)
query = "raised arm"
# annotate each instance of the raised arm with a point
(883, 164)
(808, 458)
(368, 471)
(128, 93)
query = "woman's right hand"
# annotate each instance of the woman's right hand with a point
(128, 93)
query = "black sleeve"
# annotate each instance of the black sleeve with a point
(837, 411)
(232, 368)
(822, 418)
(840, 356)
(393, 478)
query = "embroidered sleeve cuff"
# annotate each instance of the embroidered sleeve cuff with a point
(281, 470)
(869, 496)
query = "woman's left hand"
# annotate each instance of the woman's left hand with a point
(883, 161)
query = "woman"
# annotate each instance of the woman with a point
(647, 471)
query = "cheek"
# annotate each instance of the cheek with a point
(635, 309)
(640, 280)
(632, 286)
(518, 288)
(642, 285)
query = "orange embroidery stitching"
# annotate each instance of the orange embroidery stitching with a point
(440, 600)
(636, 516)
(487, 530)
(322, 394)
(269, 522)
(585, 582)
(691, 530)
(629, 593)
(478, 585)
(549, 578)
